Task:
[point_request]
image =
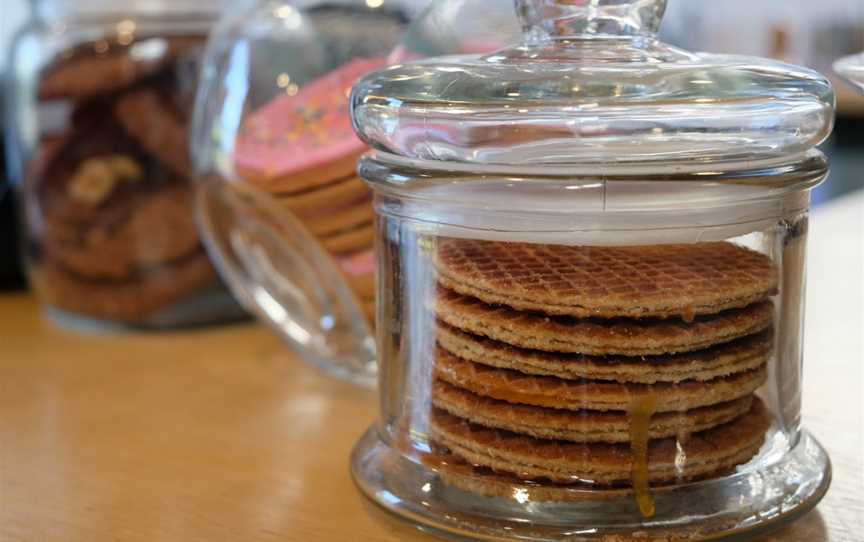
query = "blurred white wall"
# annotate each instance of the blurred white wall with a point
(732, 26)
(812, 29)
(808, 32)
(12, 15)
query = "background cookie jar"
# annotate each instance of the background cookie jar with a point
(592, 249)
(99, 105)
(281, 207)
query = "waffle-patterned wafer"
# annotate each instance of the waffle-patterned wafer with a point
(736, 356)
(599, 337)
(606, 282)
(579, 426)
(551, 392)
(712, 451)
(455, 472)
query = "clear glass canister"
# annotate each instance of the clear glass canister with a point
(852, 68)
(591, 254)
(100, 98)
(282, 209)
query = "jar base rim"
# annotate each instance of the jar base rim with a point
(740, 506)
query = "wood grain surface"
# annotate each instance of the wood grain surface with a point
(222, 435)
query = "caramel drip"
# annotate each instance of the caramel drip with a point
(640, 411)
(688, 314)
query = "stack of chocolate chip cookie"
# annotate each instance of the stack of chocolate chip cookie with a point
(301, 150)
(111, 211)
(608, 365)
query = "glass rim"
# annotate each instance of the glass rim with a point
(794, 172)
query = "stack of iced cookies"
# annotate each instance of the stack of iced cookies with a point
(616, 366)
(112, 215)
(301, 150)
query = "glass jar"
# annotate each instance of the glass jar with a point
(281, 206)
(852, 68)
(100, 98)
(591, 283)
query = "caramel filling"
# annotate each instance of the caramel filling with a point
(688, 314)
(640, 411)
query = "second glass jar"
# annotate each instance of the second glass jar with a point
(99, 106)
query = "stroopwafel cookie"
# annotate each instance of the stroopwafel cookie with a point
(659, 281)
(724, 359)
(627, 337)
(578, 426)
(709, 452)
(552, 392)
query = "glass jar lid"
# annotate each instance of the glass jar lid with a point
(591, 85)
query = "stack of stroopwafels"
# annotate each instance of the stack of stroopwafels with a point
(551, 361)
(301, 150)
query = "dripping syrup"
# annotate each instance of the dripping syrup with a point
(640, 411)
(688, 314)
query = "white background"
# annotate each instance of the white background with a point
(12, 15)
(734, 26)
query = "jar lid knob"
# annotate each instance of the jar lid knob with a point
(564, 19)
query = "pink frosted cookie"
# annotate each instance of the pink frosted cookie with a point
(296, 143)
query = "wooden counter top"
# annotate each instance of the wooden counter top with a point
(222, 435)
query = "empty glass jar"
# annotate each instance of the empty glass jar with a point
(100, 100)
(852, 68)
(281, 206)
(591, 254)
